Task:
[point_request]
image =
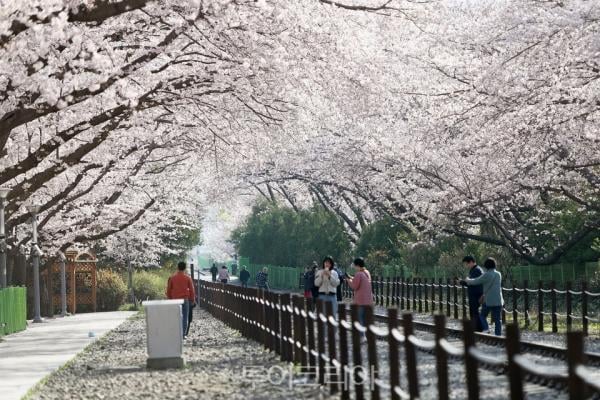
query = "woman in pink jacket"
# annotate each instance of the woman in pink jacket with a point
(361, 285)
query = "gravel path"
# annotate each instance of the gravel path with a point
(114, 368)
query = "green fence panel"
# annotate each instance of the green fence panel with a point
(13, 310)
(279, 277)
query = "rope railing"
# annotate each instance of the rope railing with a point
(558, 308)
(330, 351)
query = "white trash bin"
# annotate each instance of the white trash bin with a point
(164, 333)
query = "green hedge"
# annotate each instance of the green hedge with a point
(13, 310)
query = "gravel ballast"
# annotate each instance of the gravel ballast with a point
(114, 367)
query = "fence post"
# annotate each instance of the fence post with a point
(411, 357)
(441, 296)
(356, 356)
(575, 358)
(272, 308)
(408, 293)
(420, 295)
(471, 364)
(463, 291)
(526, 302)
(455, 290)
(402, 293)
(312, 361)
(426, 288)
(515, 375)
(258, 309)
(515, 304)
(378, 290)
(388, 292)
(554, 316)
(569, 307)
(286, 326)
(320, 341)
(394, 291)
(372, 352)
(584, 308)
(441, 358)
(540, 307)
(264, 318)
(333, 384)
(382, 290)
(344, 362)
(299, 330)
(503, 309)
(412, 300)
(394, 355)
(276, 323)
(414, 293)
(448, 302)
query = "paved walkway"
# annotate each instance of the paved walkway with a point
(28, 356)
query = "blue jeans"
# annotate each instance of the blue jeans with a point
(474, 314)
(361, 317)
(331, 298)
(495, 310)
(185, 311)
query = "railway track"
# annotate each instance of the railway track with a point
(555, 352)
(560, 353)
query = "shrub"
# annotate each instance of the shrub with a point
(147, 285)
(111, 290)
(131, 307)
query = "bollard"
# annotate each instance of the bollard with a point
(165, 334)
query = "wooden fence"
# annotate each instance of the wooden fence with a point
(329, 350)
(529, 307)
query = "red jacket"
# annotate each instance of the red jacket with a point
(180, 286)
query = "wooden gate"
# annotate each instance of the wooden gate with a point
(80, 269)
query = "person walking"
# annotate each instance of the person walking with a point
(474, 292)
(309, 281)
(213, 271)
(223, 274)
(262, 279)
(492, 300)
(327, 281)
(180, 286)
(360, 283)
(244, 276)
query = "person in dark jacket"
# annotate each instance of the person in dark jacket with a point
(213, 271)
(262, 279)
(309, 281)
(244, 276)
(342, 275)
(474, 292)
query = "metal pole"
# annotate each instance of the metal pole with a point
(194, 283)
(63, 285)
(36, 270)
(2, 246)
